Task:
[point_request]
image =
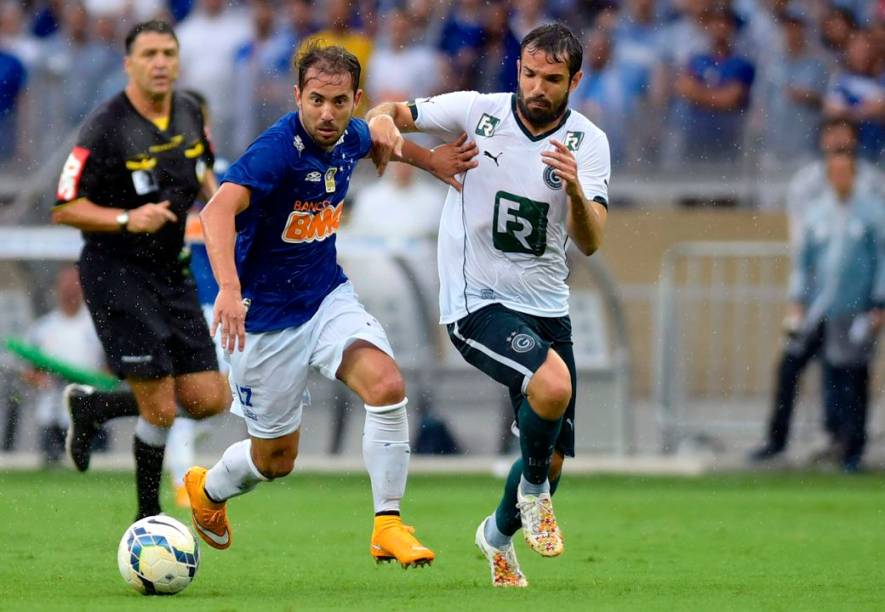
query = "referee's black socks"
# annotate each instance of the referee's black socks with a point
(148, 474)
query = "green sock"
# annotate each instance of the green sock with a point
(506, 515)
(536, 439)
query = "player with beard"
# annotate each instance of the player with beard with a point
(542, 180)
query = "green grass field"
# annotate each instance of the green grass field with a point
(771, 542)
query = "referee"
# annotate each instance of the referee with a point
(140, 161)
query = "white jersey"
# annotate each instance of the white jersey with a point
(502, 239)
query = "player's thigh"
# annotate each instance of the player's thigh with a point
(342, 328)
(268, 381)
(155, 398)
(127, 315)
(502, 343)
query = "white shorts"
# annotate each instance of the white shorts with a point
(268, 379)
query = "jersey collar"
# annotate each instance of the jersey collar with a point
(526, 131)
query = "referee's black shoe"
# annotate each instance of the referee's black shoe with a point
(84, 426)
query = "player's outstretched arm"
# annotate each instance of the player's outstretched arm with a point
(219, 230)
(398, 111)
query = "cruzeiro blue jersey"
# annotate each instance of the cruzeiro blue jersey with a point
(285, 250)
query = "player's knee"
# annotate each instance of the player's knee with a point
(158, 415)
(550, 393)
(387, 388)
(211, 400)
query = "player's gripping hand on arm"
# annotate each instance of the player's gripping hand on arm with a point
(445, 162)
(219, 230)
(586, 218)
(387, 141)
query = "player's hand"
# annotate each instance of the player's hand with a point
(148, 218)
(564, 165)
(449, 160)
(230, 315)
(386, 141)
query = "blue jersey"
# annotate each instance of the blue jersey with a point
(285, 250)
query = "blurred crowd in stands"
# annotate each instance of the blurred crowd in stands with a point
(672, 82)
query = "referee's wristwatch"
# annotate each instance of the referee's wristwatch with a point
(123, 221)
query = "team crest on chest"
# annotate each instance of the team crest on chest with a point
(330, 179)
(487, 125)
(550, 178)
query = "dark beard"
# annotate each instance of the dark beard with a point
(540, 117)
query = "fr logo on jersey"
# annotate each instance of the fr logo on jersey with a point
(487, 125)
(69, 180)
(520, 224)
(573, 140)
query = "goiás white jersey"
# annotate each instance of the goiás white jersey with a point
(503, 238)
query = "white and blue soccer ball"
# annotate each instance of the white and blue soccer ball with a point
(158, 556)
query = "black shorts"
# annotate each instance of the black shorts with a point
(510, 346)
(150, 324)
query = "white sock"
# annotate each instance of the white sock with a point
(152, 435)
(386, 453)
(180, 449)
(234, 474)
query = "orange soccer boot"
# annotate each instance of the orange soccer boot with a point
(393, 540)
(209, 517)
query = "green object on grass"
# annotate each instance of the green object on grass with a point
(63, 369)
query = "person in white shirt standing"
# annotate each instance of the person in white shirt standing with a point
(542, 181)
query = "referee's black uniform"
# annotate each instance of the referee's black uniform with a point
(137, 286)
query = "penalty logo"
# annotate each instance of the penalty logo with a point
(522, 343)
(551, 180)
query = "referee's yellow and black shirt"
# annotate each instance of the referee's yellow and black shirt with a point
(123, 160)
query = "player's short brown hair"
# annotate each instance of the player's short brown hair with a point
(558, 42)
(327, 59)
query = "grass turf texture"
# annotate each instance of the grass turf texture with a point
(767, 542)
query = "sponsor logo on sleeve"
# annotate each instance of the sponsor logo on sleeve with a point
(69, 181)
(573, 140)
(487, 125)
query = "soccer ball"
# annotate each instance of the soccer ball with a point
(158, 556)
